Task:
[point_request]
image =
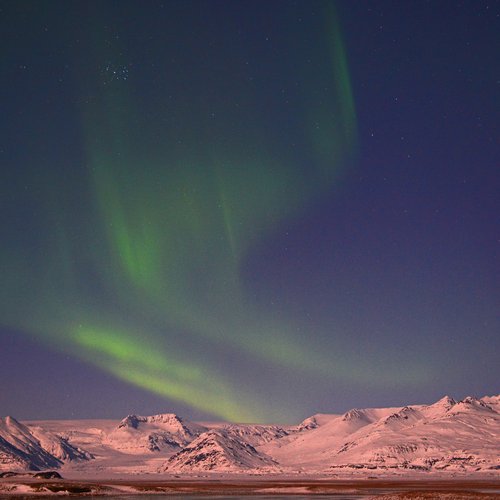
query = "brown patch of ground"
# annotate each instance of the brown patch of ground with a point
(370, 488)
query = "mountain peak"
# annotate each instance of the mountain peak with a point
(354, 414)
(218, 450)
(446, 402)
(470, 404)
(308, 423)
(130, 421)
(133, 421)
(22, 447)
(164, 431)
(9, 421)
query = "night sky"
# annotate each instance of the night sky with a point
(247, 210)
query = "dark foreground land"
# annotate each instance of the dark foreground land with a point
(363, 488)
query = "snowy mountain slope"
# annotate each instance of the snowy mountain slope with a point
(447, 435)
(493, 402)
(445, 442)
(86, 434)
(314, 421)
(256, 434)
(22, 447)
(218, 450)
(309, 447)
(134, 445)
(59, 446)
(136, 434)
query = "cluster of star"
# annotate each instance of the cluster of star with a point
(113, 73)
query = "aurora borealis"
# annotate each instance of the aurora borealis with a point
(242, 208)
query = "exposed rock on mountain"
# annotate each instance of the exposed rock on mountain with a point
(255, 434)
(218, 450)
(154, 433)
(27, 448)
(446, 436)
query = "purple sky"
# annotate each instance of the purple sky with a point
(375, 286)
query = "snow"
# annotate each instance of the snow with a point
(446, 437)
(218, 450)
(25, 448)
(136, 434)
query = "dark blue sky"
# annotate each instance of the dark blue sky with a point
(253, 210)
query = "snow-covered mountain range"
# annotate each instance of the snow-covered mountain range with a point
(447, 436)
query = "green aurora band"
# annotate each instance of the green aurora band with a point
(164, 229)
